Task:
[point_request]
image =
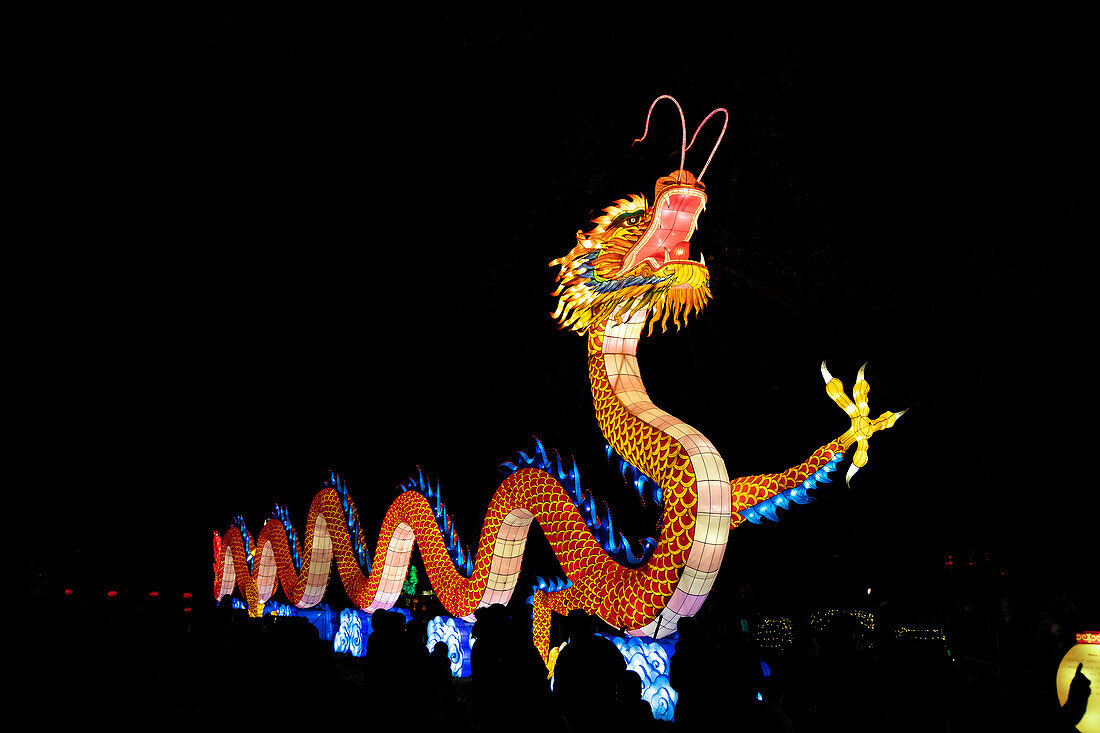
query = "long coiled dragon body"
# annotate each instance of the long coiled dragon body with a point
(632, 270)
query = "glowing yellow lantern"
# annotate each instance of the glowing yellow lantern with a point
(1086, 654)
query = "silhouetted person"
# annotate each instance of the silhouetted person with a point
(633, 713)
(495, 686)
(439, 684)
(586, 674)
(391, 664)
(702, 674)
(531, 680)
(293, 642)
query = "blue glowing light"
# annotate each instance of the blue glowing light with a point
(354, 629)
(350, 637)
(280, 513)
(351, 519)
(238, 522)
(554, 584)
(596, 515)
(459, 554)
(799, 495)
(649, 659)
(455, 633)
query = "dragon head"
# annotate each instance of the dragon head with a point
(637, 257)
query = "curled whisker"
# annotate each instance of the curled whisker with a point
(720, 136)
(683, 127)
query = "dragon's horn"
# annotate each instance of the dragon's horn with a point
(713, 150)
(683, 126)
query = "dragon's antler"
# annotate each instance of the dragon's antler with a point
(857, 409)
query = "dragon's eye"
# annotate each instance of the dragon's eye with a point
(629, 219)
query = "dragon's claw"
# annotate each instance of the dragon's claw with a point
(857, 408)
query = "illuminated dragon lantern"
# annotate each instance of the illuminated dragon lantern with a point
(633, 270)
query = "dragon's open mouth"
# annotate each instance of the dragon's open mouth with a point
(667, 240)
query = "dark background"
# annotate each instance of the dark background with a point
(251, 243)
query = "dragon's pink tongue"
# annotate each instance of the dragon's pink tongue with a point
(680, 251)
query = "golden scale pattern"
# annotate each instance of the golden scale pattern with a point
(748, 491)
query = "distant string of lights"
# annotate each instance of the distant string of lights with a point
(774, 632)
(777, 632)
(823, 620)
(918, 633)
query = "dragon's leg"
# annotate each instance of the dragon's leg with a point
(541, 624)
(560, 602)
(748, 491)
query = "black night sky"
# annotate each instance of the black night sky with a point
(260, 243)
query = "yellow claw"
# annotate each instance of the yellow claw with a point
(835, 389)
(857, 408)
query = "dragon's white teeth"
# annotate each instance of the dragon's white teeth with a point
(667, 256)
(701, 260)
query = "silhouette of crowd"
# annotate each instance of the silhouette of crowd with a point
(136, 666)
